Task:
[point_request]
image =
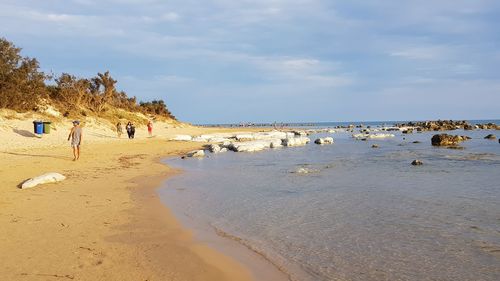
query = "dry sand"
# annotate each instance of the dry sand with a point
(105, 221)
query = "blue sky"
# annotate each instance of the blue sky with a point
(219, 61)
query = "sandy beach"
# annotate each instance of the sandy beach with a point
(105, 221)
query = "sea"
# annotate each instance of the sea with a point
(359, 213)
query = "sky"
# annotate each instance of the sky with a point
(230, 61)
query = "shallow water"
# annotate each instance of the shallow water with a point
(362, 213)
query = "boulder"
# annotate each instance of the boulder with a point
(196, 153)
(446, 140)
(214, 148)
(327, 140)
(42, 179)
(491, 137)
(297, 141)
(417, 162)
(253, 146)
(275, 143)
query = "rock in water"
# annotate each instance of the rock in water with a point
(417, 162)
(45, 178)
(214, 148)
(375, 146)
(491, 137)
(297, 141)
(445, 139)
(327, 140)
(196, 153)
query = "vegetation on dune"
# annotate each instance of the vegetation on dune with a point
(24, 87)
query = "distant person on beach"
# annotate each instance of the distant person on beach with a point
(130, 130)
(150, 128)
(119, 129)
(76, 139)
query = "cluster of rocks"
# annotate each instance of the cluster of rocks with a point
(446, 125)
(248, 142)
(447, 140)
(249, 136)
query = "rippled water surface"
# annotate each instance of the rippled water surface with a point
(362, 213)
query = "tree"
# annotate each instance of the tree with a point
(102, 91)
(71, 91)
(22, 84)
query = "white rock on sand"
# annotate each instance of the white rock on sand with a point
(327, 140)
(42, 179)
(183, 138)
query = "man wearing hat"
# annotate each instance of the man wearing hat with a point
(76, 139)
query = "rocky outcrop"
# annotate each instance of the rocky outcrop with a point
(447, 125)
(42, 179)
(447, 140)
(488, 126)
(321, 141)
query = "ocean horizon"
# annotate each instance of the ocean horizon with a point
(340, 123)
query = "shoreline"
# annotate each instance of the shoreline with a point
(261, 267)
(104, 221)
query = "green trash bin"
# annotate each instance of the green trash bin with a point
(46, 127)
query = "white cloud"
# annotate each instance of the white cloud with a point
(423, 52)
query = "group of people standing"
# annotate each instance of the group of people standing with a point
(131, 129)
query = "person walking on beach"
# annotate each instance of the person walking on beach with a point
(130, 130)
(119, 129)
(75, 135)
(150, 128)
